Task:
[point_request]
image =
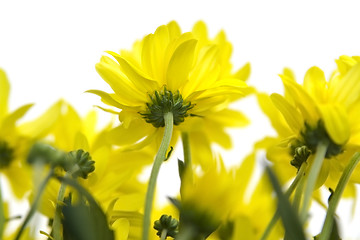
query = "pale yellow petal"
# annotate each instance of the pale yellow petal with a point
(244, 72)
(336, 122)
(347, 90)
(42, 125)
(302, 100)
(139, 78)
(291, 115)
(4, 94)
(180, 65)
(9, 121)
(229, 118)
(315, 84)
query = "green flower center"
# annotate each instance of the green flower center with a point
(6, 154)
(311, 137)
(165, 101)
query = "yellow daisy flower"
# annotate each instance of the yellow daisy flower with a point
(71, 133)
(187, 74)
(317, 111)
(13, 145)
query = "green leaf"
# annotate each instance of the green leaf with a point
(181, 166)
(84, 220)
(290, 219)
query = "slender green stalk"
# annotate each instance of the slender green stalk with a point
(2, 213)
(335, 198)
(56, 226)
(288, 193)
(163, 234)
(186, 148)
(35, 204)
(160, 157)
(311, 179)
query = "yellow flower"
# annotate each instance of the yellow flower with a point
(13, 145)
(184, 73)
(314, 112)
(71, 133)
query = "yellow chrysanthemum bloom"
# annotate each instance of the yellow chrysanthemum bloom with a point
(318, 111)
(187, 74)
(13, 145)
(72, 133)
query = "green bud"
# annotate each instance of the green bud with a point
(45, 154)
(167, 223)
(80, 161)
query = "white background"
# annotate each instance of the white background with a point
(49, 48)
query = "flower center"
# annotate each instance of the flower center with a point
(6, 154)
(311, 137)
(165, 101)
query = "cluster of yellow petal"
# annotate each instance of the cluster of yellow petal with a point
(190, 63)
(318, 110)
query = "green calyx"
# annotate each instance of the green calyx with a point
(80, 161)
(168, 224)
(312, 136)
(6, 154)
(165, 101)
(301, 154)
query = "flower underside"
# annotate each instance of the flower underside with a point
(6, 154)
(311, 137)
(165, 101)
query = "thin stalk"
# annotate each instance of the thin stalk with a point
(160, 157)
(35, 204)
(163, 234)
(2, 213)
(312, 177)
(56, 226)
(186, 149)
(288, 193)
(335, 198)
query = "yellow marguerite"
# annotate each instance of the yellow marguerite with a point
(189, 71)
(314, 112)
(70, 133)
(13, 145)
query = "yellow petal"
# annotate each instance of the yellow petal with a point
(274, 115)
(122, 86)
(336, 122)
(4, 94)
(229, 118)
(157, 53)
(291, 115)
(40, 126)
(107, 98)
(180, 65)
(121, 227)
(244, 72)
(315, 83)
(348, 88)
(174, 30)
(302, 100)
(140, 80)
(10, 120)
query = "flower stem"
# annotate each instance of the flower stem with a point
(335, 198)
(160, 157)
(35, 204)
(312, 177)
(2, 214)
(163, 234)
(288, 193)
(186, 148)
(56, 226)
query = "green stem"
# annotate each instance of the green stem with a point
(2, 213)
(312, 177)
(163, 234)
(288, 193)
(56, 226)
(186, 148)
(160, 157)
(35, 204)
(335, 198)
